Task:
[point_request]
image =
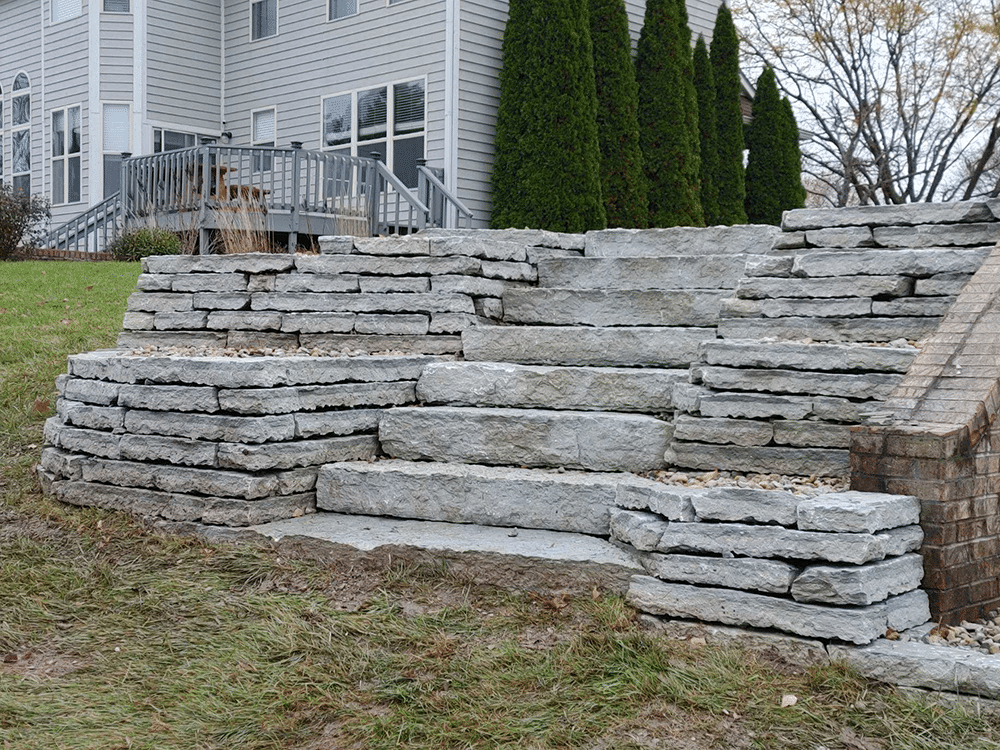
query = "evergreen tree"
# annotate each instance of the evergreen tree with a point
(546, 173)
(767, 166)
(795, 193)
(623, 182)
(704, 84)
(729, 179)
(668, 115)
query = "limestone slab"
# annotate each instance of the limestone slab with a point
(89, 416)
(159, 302)
(969, 234)
(812, 434)
(331, 322)
(179, 321)
(345, 422)
(227, 320)
(211, 426)
(138, 321)
(172, 450)
(903, 215)
(745, 573)
(139, 339)
(937, 306)
(637, 529)
(336, 244)
(612, 308)
(316, 282)
(179, 478)
(855, 625)
(858, 512)
(858, 585)
(221, 300)
(260, 401)
(853, 307)
(158, 282)
(387, 266)
(581, 388)
(753, 405)
(472, 285)
(927, 261)
(902, 540)
(261, 340)
(867, 385)
(301, 452)
(942, 284)
(745, 505)
(763, 287)
(821, 357)
(840, 237)
(829, 329)
(679, 272)
(824, 462)
(361, 303)
(203, 282)
(60, 464)
(598, 347)
(722, 430)
(395, 245)
(376, 344)
(686, 397)
(392, 325)
(456, 322)
(219, 264)
(455, 493)
(841, 409)
(597, 441)
(478, 247)
(489, 307)
(526, 237)
(672, 502)
(651, 243)
(77, 440)
(777, 264)
(390, 284)
(509, 270)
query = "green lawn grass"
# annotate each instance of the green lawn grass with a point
(113, 635)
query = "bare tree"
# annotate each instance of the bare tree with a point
(901, 97)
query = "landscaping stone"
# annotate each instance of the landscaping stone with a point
(597, 441)
(840, 409)
(814, 357)
(764, 287)
(89, 416)
(868, 385)
(686, 397)
(752, 405)
(258, 340)
(810, 434)
(902, 540)
(532, 386)
(861, 625)
(91, 442)
(362, 303)
(637, 529)
(921, 262)
(263, 282)
(478, 247)
(722, 430)
(159, 282)
(908, 215)
(489, 307)
(391, 266)
(235, 512)
(769, 576)
(787, 308)
(298, 453)
(396, 245)
(179, 321)
(136, 321)
(456, 322)
(219, 264)
(457, 493)
(651, 243)
(526, 237)
(612, 308)
(823, 462)
(316, 282)
(172, 450)
(472, 285)
(943, 284)
(179, 478)
(244, 319)
(937, 306)
(858, 585)
(336, 245)
(858, 512)
(61, 464)
(211, 426)
(678, 272)
(537, 254)
(390, 284)
(221, 300)
(316, 322)
(828, 329)
(744, 505)
(775, 265)
(392, 325)
(669, 501)
(158, 302)
(344, 422)
(398, 344)
(501, 269)
(203, 282)
(840, 237)
(597, 347)
(938, 236)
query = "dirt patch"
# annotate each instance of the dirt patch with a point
(664, 726)
(39, 665)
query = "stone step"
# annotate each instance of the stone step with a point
(824, 462)
(671, 272)
(829, 329)
(523, 386)
(508, 557)
(753, 239)
(580, 346)
(594, 441)
(600, 308)
(822, 357)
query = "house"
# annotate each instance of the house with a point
(84, 81)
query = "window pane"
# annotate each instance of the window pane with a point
(112, 174)
(58, 184)
(337, 120)
(22, 184)
(368, 149)
(172, 140)
(20, 109)
(263, 126)
(265, 18)
(73, 115)
(21, 82)
(21, 143)
(116, 6)
(65, 9)
(408, 106)
(372, 114)
(73, 188)
(405, 153)
(58, 133)
(157, 140)
(116, 128)
(343, 8)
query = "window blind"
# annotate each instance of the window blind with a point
(408, 107)
(63, 10)
(263, 126)
(116, 6)
(116, 128)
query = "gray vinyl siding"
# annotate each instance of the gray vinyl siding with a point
(117, 37)
(20, 50)
(701, 18)
(184, 64)
(311, 57)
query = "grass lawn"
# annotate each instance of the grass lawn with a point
(116, 636)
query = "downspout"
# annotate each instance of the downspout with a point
(452, 40)
(95, 170)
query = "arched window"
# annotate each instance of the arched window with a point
(20, 137)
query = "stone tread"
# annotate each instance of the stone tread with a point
(608, 308)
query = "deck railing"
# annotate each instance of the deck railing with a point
(92, 231)
(444, 208)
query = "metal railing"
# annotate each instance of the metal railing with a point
(445, 209)
(92, 231)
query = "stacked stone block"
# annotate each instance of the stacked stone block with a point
(819, 332)
(837, 566)
(221, 440)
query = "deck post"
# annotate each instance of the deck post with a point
(205, 175)
(293, 233)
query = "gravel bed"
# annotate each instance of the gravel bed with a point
(802, 486)
(982, 636)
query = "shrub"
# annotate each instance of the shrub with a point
(22, 218)
(704, 84)
(134, 244)
(728, 119)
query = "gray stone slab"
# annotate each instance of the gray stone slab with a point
(788, 308)
(612, 308)
(841, 409)
(89, 416)
(376, 344)
(686, 397)
(921, 262)
(392, 325)
(858, 512)
(90, 391)
(828, 329)
(139, 339)
(942, 284)
(336, 244)
(298, 453)
(231, 372)
(752, 405)
(486, 495)
(390, 266)
(221, 300)
(219, 264)
(902, 540)
(904, 215)
(789, 241)
(456, 322)
(855, 625)
(824, 462)
(158, 282)
(867, 385)
(263, 282)
(203, 282)
(651, 243)
(722, 430)
(159, 302)
(346, 422)
(138, 321)
(329, 322)
(179, 321)
(261, 340)
(745, 505)
(362, 303)
(234, 512)
(474, 286)
(596, 441)
(581, 388)
(77, 440)
(170, 450)
(764, 287)
(626, 346)
(822, 357)
(679, 272)
(211, 426)
(316, 282)
(391, 284)
(938, 235)
(774, 265)
(858, 585)
(509, 270)
(672, 502)
(745, 573)
(937, 306)
(637, 529)
(521, 558)
(489, 307)
(812, 434)
(479, 247)
(925, 665)
(395, 245)
(228, 320)
(537, 254)
(527, 237)
(840, 237)
(179, 478)
(788, 649)
(294, 481)
(60, 464)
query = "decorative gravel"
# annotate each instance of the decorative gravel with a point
(803, 486)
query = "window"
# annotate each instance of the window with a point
(116, 137)
(20, 137)
(117, 6)
(386, 120)
(343, 8)
(66, 155)
(262, 134)
(263, 18)
(172, 140)
(63, 10)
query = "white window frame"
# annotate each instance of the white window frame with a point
(388, 157)
(66, 155)
(104, 9)
(104, 152)
(277, 21)
(22, 127)
(162, 129)
(52, 12)
(390, 3)
(265, 164)
(333, 19)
